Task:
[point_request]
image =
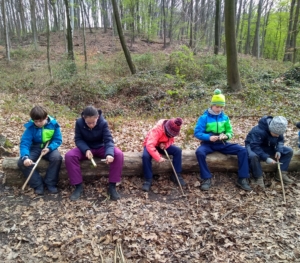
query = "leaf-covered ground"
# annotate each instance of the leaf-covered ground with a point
(225, 224)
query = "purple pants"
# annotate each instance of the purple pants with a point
(74, 156)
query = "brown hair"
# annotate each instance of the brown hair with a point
(38, 113)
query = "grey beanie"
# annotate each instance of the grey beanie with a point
(278, 125)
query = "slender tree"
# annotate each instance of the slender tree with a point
(69, 33)
(122, 39)
(255, 47)
(33, 23)
(247, 44)
(5, 31)
(217, 27)
(295, 30)
(83, 34)
(48, 37)
(233, 76)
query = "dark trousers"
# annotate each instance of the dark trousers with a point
(173, 150)
(52, 173)
(227, 148)
(254, 160)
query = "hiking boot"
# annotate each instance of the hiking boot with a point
(39, 190)
(114, 195)
(258, 181)
(285, 178)
(146, 186)
(180, 179)
(206, 184)
(52, 189)
(77, 192)
(243, 183)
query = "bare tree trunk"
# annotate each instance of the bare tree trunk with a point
(238, 18)
(287, 54)
(84, 44)
(55, 24)
(191, 24)
(265, 26)
(122, 39)
(255, 47)
(247, 44)
(5, 31)
(164, 23)
(69, 33)
(217, 27)
(33, 23)
(171, 21)
(295, 31)
(22, 18)
(240, 43)
(104, 12)
(48, 37)
(233, 76)
(87, 16)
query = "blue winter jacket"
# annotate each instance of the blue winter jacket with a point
(35, 135)
(260, 137)
(97, 137)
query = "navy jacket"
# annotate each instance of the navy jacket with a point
(100, 136)
(260, 137)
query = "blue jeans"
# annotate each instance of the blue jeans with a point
(254, 160)
(227, 148)
(52, 173)
(173, 150)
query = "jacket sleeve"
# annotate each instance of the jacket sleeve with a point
(256, 140)
(79, 141)
(280, 144)
(56, 140)
(152, 142)
(228, 129)
(108, 140)
(26, 142)
(200, 129)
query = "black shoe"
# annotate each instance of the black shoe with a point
(146, 186)
(39, 190)
(114, 195)
(174, 179)
(77, 192)
(206, 184)
(52, 189)
(243, 183)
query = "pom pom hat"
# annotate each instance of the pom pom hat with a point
(218, 98)
(278, 125)
(173, 126)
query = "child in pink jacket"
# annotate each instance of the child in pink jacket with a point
(158, 139)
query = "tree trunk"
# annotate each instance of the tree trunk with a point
(191, 24)
(255, 47)
(288, 52)
(122, 39)
(238, 19)
(5, 31)
(233, 76)
(217, 27)
(33, 23)
(216, 162)
(48, 37)
(55, 23)
(83, 32)
(295, 31)
(69, 33)
(247, 44)
(267, 16)
(164, 23)
(22, 16)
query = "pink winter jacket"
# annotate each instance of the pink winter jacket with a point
(154, 137)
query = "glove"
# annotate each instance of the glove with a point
(277, 155)
(269, 161)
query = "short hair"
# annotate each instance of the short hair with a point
(38, 113)
(90, 111)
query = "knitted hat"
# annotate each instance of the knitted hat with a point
(278, 125)
(218, 98)
(172, 127)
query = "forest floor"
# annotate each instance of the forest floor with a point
(225, 224)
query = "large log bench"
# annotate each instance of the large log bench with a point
(217, 162)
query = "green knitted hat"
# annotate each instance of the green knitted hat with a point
(218, 98)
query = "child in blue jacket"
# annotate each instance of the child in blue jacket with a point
(39, 130)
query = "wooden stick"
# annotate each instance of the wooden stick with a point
(174, 171)
(35, 165)
(280, 175)
(93, 162)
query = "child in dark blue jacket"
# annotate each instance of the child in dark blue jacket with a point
(93, 138)
(265, 142)
(39, 130)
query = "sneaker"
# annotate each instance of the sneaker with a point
(77, 192)
(112, 191)
(39, 190)
(243, 183)
(206, 184)
(52, 189)
(258, 181)
(146, 186)
(285, 178)
(180, 179)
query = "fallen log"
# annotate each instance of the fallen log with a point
(217, 162)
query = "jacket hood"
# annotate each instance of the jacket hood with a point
(264, 122)
(31, 123)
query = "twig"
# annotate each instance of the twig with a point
(174, 172)
(280, 175)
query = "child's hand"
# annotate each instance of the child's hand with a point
(45, 151)
(88, 154)
(223, 136)
(270, 161)
(28, 162)
(109, 159)
(162, 159)
(162, 145)
(213, 138)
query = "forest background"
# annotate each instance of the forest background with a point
(140, 61)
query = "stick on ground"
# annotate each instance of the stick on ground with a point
(282, 186)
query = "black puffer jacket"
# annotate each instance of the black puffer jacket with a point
(260, 137)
